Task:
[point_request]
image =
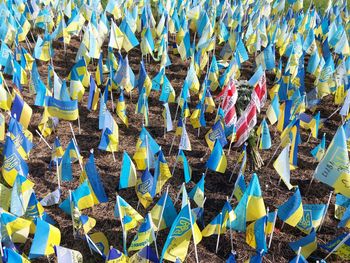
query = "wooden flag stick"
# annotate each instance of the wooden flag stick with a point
(194, 239)
(178, 194)
(325, 212)
(232, 139)
(273, 228)
(338, 246)
(219, 232)
(42, 137)
(172, 143)
(175, 164)
(311, 181)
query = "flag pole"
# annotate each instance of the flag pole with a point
(273, 228)
(175, 164)
(42, 137)
(153, 235)
(70, 204)
(194, 241)
(325, 212)
(178, 194)
(298, 255)
(76, 145)
(219, 232)
(279, 146)
(233, 137)
(58, 175)
(123, 227)
(162, 212)
(338, 246)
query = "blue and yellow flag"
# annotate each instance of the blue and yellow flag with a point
(94, 95)
(129, 216)
(91, 174)
(251, 206)
(145, 235)
(21, 111)
(70, 155)
(121, 109)
(81, 198)
(45, 238)
(178, 240)
(264, 133)
(128, 174)
(65, 110)
(308, 244)
(161, 173)
(319, 151)
(16, 228)
(20, 138)
(312, 217)
(341, 204)
(217, 160)
(13, 163)
(343, 251)
(333, 169)
(144, 188)
(181, 157)
(197, 192)
(11, 256)
(166, 206)
(255, 234)
(291, 211)
(114, 255)
(145, 255)
(20, 195)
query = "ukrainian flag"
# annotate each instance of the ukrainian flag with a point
(217, 160)
(308, 244)
(127, 214)
(11, 256)
(121, 109)
(341, 204)
(21, 192)
(292, 210)
(319, 150)
(66, 110)
(15, 227)
(312, 217)
(240, 187)
(161, 173)
(45, 238)
(333, 169)
(94, 95)
(197, 193)
(181, 157)
(255, 234)
(145, 235)
(144, 188)
(81, 197)
(169, 213)
(114, 255)
(284, 116)
(5, 97)
(13, 163)
(21, 111)
(216, 226)
(178, 240)
(128, 174)
(251, 206)
(22, 143)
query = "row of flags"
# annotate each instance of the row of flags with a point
(278, 36)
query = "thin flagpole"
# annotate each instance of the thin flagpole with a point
(162, 212)
(42, 137)
(219, 232)
(153, 235)
(273, 228)
(194, 241)
(123, 227)
(325, 212)
(338, 246)
(298, 255)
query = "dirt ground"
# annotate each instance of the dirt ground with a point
(217, 186)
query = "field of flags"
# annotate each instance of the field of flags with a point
(174, 131)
